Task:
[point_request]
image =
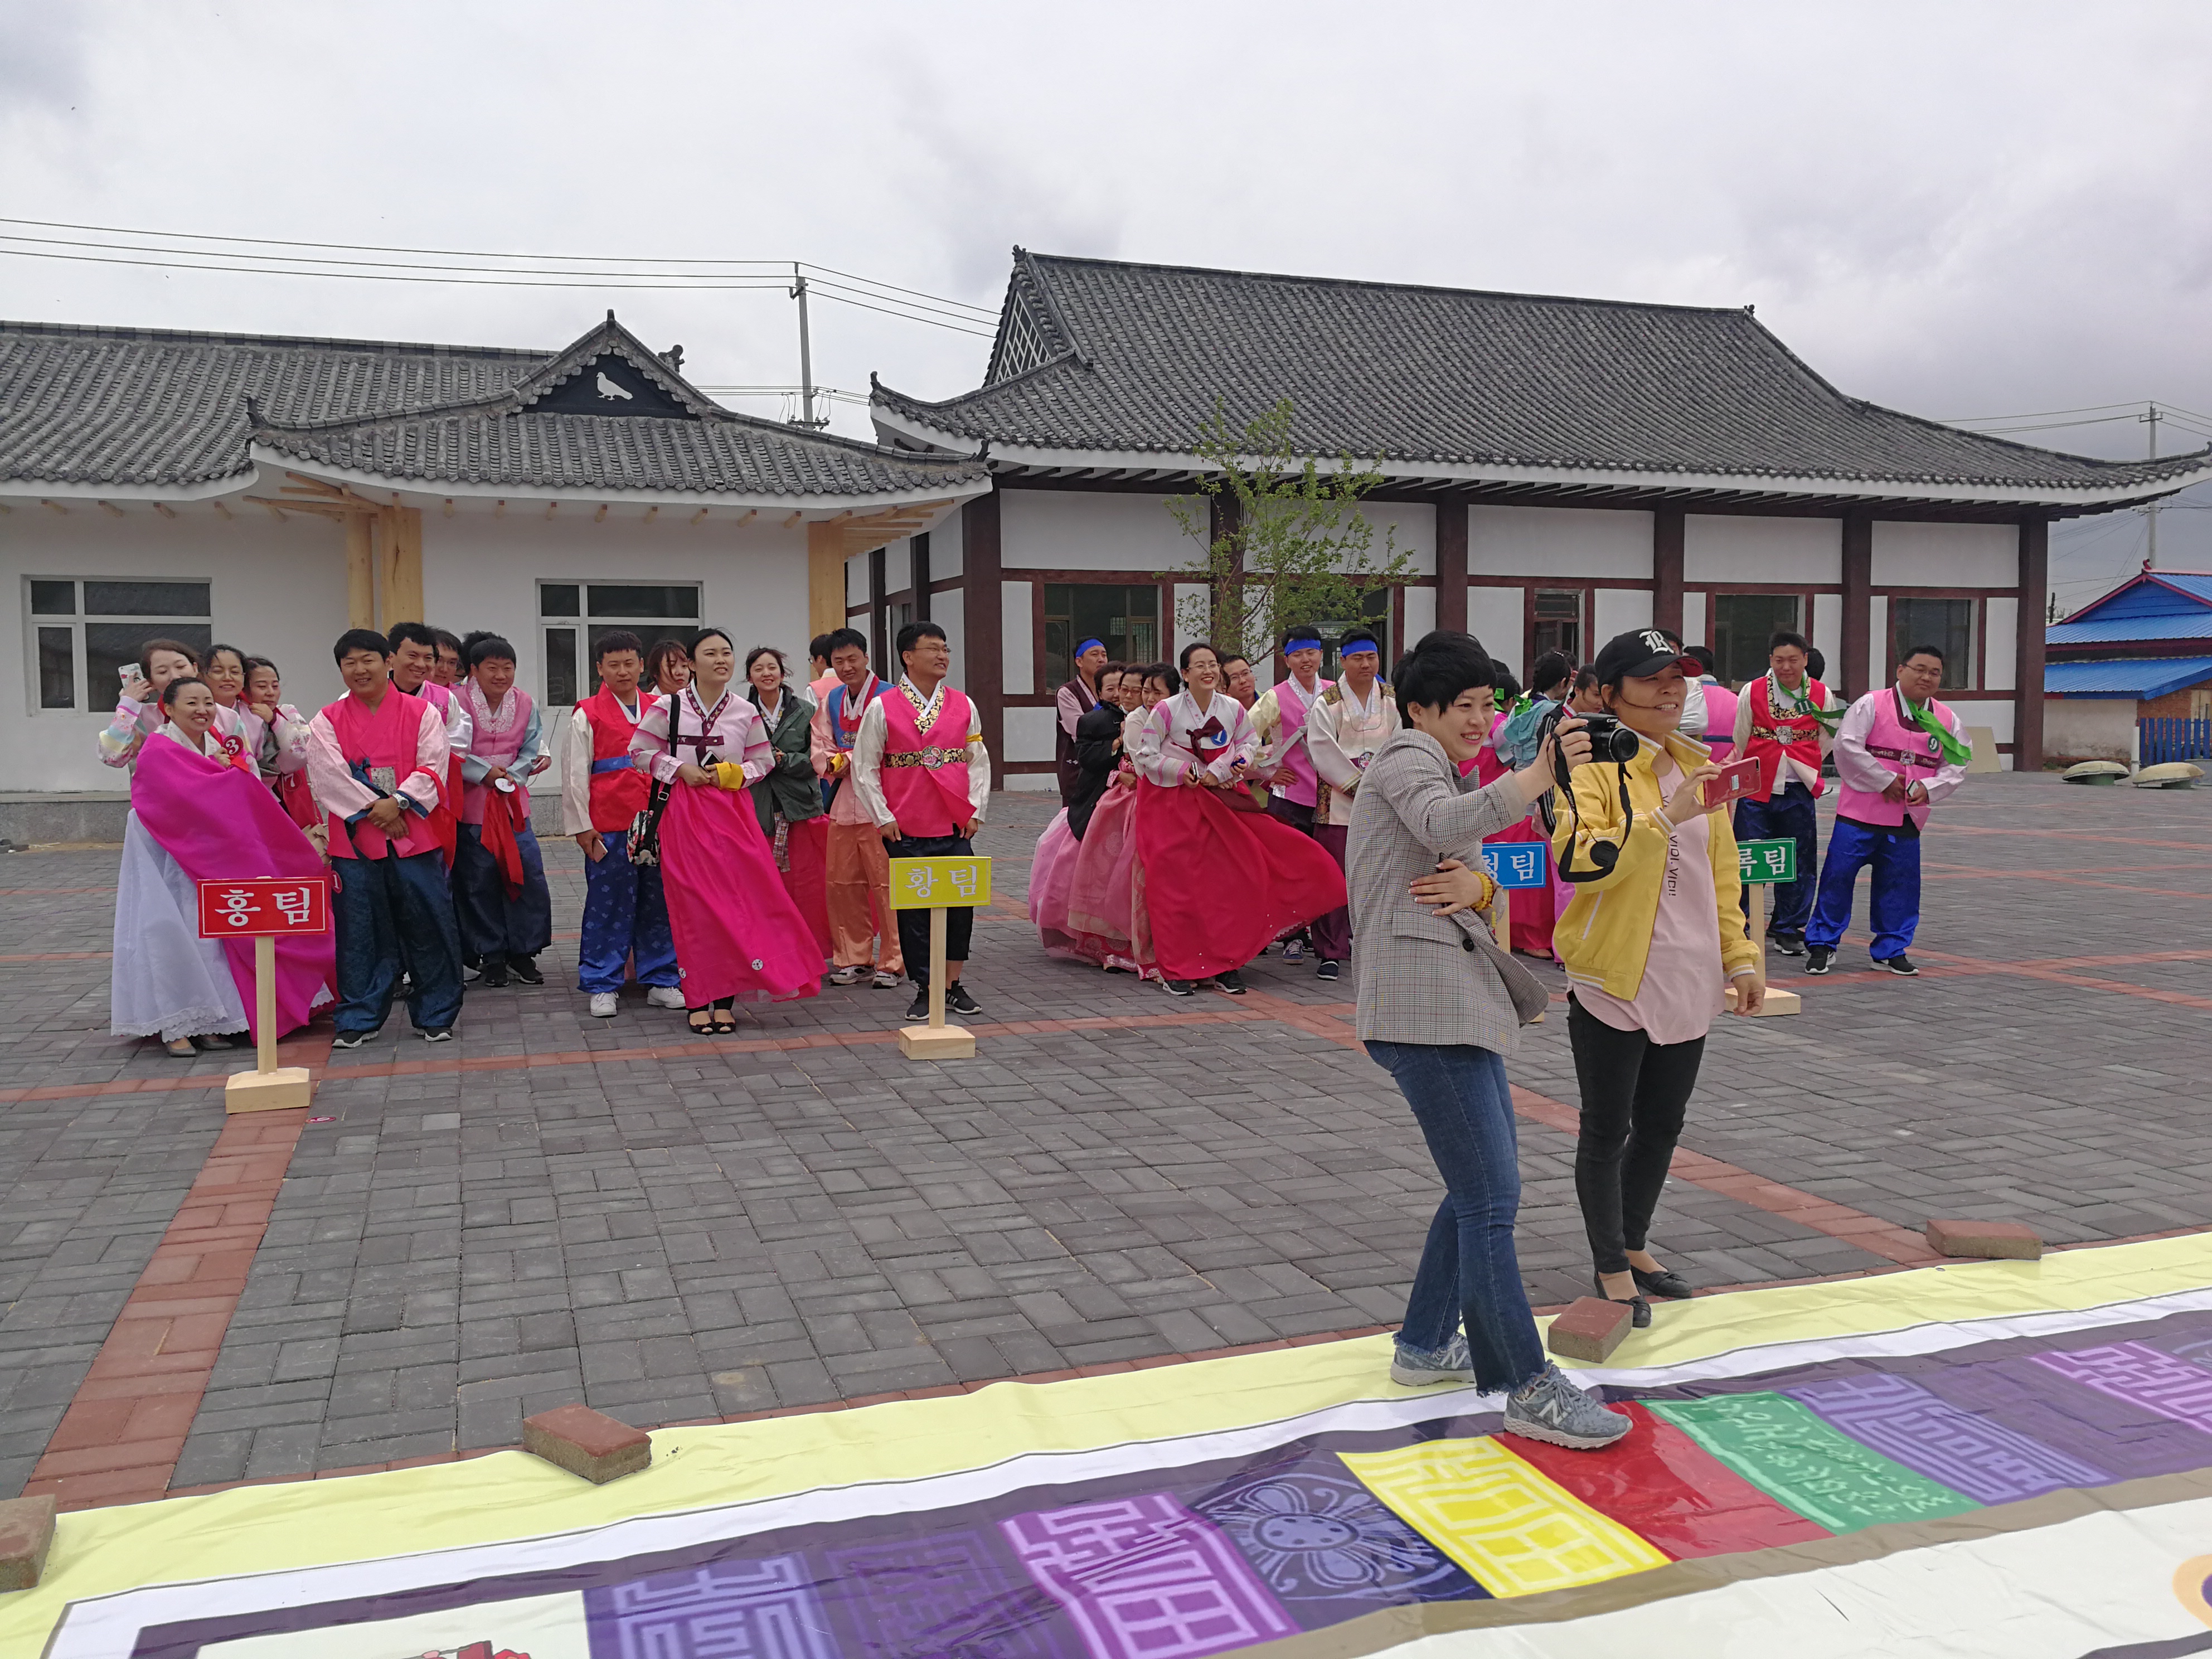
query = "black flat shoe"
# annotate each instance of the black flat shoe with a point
(1666, 1283)
(1640, 1310)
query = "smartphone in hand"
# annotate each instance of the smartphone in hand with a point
(1737, 778)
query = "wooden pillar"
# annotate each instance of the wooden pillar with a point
(982, 629)
(361, 570)
(918, 556)
(2027, 696)
(1857, 647)
(1451, 565)
(878, 646)
(825, 578)
(398, 566)
(1667, 526)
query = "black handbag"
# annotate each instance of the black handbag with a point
(645, 827)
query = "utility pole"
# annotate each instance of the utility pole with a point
(805, 354)
(2150, 562)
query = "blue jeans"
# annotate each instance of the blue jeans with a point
(625, 916)
(1893, 899)
(1790, 816)
(1469, 1273)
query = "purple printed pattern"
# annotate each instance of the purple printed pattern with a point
(763, 1609)
(1906, 1422)
(1145, 1579)
(949, 1593)
(2129, 1440)
(2142, 1375)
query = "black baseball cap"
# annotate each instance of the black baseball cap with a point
(1640, 653)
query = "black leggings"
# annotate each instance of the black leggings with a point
(1635, 1092)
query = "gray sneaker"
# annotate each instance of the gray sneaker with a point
(1418, 1367)
(1552, 1409)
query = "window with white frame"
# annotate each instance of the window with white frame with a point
(574, 617)
(84, 633)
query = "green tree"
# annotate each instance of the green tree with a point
(1294, 547)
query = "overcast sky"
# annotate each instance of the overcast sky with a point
(1960, 210)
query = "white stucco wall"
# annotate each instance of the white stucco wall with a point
(1411, 526)
(944, 547)
(1788, 552)
(1909, 555)
(1017, 628)
(1827, 633)
(1072, 530)
(1497, 616)
(2000, 651)
(1420, 617)
(1615, 610)
(278, 590)
(2089, 728)
(479, 571)
(1877, 671)
(1029, 734)
(1694, 616)
(1554, 541)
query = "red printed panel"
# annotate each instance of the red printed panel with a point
(240, 909)
(1661, 1483)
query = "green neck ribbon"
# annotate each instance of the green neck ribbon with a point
(1956, 752)
(1798, 704)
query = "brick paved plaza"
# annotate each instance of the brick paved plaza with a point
(558, 1208)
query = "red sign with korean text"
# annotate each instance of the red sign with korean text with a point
(276, 905)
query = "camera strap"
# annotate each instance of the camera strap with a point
(1603, 854)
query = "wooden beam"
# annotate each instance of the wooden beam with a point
(699, 516)
(275, 511)
(223, 509)
(825, 578)
(56, 507)
(787, 524)
(499, 510)
(1667, 527)
(1451, 566)
(449, 507)
(600, 516)
(360, 572)
(552, 508)
(653, 513)
(165, 509)
(1858, 603)
(319, 486)
(111, 507)
(983, 650)
(2027, 669)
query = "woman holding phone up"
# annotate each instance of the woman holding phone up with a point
(1652, 940)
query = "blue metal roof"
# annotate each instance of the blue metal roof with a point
(2139, 678)
(2119, 631)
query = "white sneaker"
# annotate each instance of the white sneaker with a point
(887, 980)
(664, 996)
(603, 1004)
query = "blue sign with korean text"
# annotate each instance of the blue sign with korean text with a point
(1518, 863)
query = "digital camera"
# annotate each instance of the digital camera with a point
(1609, 740)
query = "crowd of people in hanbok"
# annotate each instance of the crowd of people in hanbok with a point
(736, 827)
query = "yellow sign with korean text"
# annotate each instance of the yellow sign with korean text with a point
(954, 884)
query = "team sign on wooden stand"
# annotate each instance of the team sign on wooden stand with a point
(264, 910)
(1765, 864)
(938, 885)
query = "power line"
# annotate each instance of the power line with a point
(459, 277)
(987, 313)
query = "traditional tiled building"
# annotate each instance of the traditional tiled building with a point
(270, 492)
(1560, 469)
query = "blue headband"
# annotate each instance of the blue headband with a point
(1354, 646)
(1303, 642)
(1087, 644)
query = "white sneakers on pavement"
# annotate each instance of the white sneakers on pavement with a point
(664, 996)
(603, 1004)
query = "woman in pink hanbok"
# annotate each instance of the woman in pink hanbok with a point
(1052, 871)
(1107, 920)
(738, 933)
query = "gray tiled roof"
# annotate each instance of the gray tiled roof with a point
(144, 408)
(1096, 354)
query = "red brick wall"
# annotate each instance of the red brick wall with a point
(2174, 705)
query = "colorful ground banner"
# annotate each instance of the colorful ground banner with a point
(2005, 1458)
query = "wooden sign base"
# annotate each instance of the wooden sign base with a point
(1778, 1002)
(936, 1042)
(277, 1091)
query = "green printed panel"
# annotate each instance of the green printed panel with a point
(1824, 1474)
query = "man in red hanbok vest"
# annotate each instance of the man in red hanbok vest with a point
(1278, 721)
(602, 792)
(376, 760)
(1785, 718)
(1898, 753)
(923, 775)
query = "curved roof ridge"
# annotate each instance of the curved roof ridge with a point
(309, 341)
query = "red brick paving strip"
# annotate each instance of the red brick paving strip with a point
(124, 1429)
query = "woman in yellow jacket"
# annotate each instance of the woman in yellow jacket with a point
(1650, 942)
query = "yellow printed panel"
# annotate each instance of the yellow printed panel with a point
(939, 883)
(1516, 1532)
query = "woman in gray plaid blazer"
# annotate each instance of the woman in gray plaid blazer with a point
(1440, 1007)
